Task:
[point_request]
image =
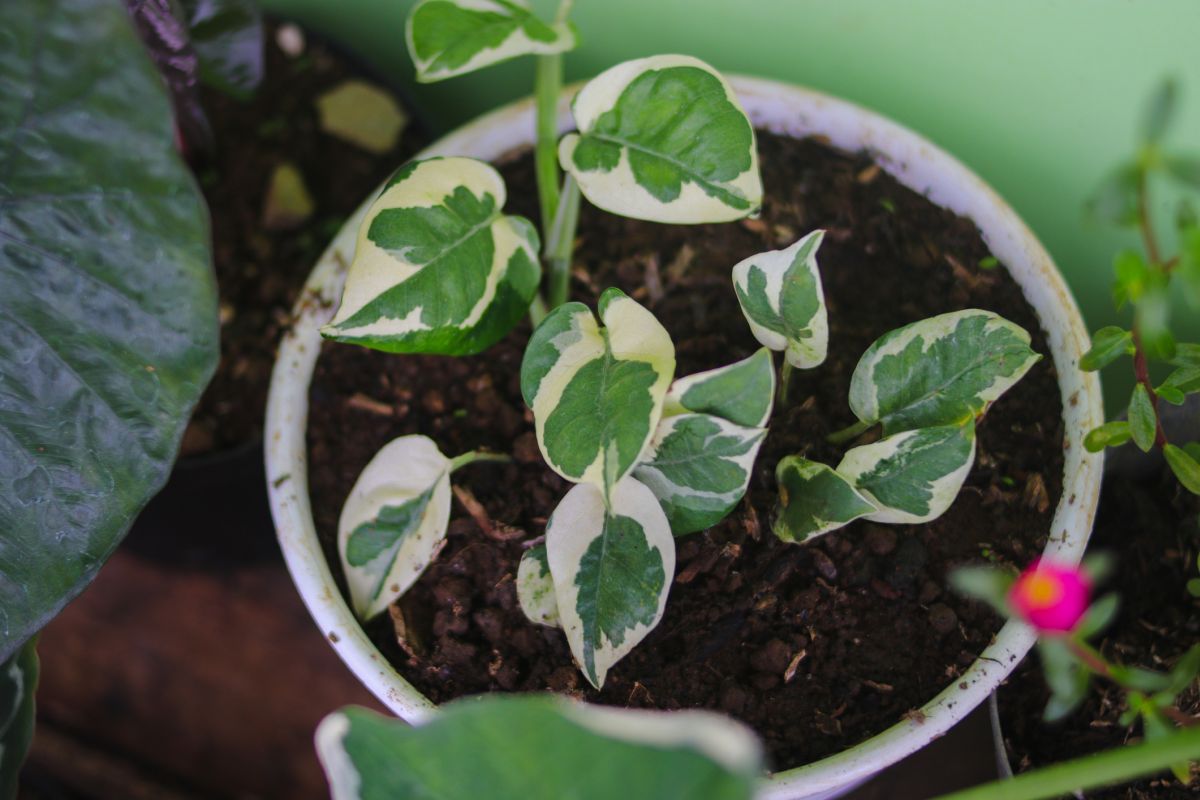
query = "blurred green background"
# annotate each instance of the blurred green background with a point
(1040, 97)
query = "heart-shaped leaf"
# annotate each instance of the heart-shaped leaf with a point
(612, 570)
(597, 393)
(814, 499)
(438, 268)
(781, 296)
(394, 522)
(108, 307)
(539, 747)
(535, 587)
(699, 466)
(454, 37)
(939, 371)
(18, 680)
(912, 476)
(664, 139)
(743, 392)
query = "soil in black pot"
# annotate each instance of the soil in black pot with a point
(262, 256)
(1151, 529)
(817, 647)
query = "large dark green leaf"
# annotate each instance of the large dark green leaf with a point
(108, 326)
(228, 38)
(18, 681)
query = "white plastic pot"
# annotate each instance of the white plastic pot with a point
(783, 109)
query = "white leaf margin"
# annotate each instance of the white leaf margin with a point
(535, 589)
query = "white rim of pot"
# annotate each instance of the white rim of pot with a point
(783, 109)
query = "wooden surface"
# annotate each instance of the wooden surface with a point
(190, 668)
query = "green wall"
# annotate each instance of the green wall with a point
(1040, 97)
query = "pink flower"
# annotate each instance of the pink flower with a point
(1051, 597)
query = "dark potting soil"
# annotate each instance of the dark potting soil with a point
(817, 647)
(260, 269)
(1152, 530)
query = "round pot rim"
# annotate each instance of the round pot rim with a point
(781, 108)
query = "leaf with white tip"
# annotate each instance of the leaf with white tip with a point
(394, 522)
(699, 466)
(597, 393)
(912, 476)
(814, 499)
(612, 570)
(453, 37)
(535, 588)
(939, 371)
(664, 139)
(437, 267)
(743, 392)
(780, 294)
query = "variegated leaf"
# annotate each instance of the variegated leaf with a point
(437, 267)
(699, 466)
(612, 570)
(743, 392)
(814, 499)
(939, 371)
(535, 587)
(453, 37)
(912, 476)
(664, 139)
(781, 296)
(394, 522)
(597, 393)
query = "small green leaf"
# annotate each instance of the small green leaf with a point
(1131, 274)
(1185, 670)
(1110, 434)
(453, 37)
(1108, 344)
(664, 139)
(1066, 677)
(1186, 355)
(612, 571)
(1192, 449)
(1143, 422)
(1153, 316)
(939, 371)
(1185, 466)
(813, 500)
(743, 392)
(1185, 169)
(1160, 111)
(597, 393)
(394, 522)
(699, 466)
(913, 476)
(989, 584)
(1186, 380)
(1098, 617)
(437, 267)
(18, 682)
(1115, 200)
(781, 297)
(539, 747)
(535, 587)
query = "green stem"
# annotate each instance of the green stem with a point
(785, 380)
(537, 310)
(458, 462)
(546, 88)
(560, 243)
(1091, 772)
(848, 433)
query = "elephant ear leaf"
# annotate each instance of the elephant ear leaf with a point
(108, 307)
(438, 268)
(453, 37)
(394, 522)
(664, 139)
(18, 680)
(612, 566)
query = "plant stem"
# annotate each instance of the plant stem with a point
(537, 310)
(785, 380)
(547, 86)
(560, 244)
(471, 457)
(848, 433)
(1141, 369)
(1090, 772)
(1144, 220)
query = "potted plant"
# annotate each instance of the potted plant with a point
(416, 497)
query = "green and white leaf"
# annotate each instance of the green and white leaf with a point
(18, 682)
(912, 476)
(535, 587)
(939, 371)
(743, 392)
(664, 139)
(437, 267)
(453, 37)
(814, 499)
(781, 296)
(539, 747)
(597, 393)
(394, 522)
(699, 466)
(612, 570)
